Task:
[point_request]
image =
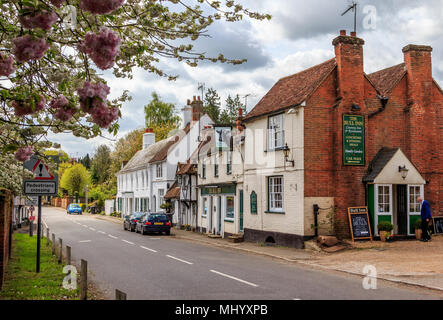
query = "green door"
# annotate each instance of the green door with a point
(241, 210)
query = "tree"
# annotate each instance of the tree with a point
(212, 104)
(101, 162)
(161, 116)
(62, 156)
(86, 161)
(230, 113)
(52, 67)
(74, 179)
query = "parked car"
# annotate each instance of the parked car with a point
(153, 222)
(74, 208)
(131, 220)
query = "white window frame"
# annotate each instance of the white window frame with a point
(161, 196)
(271, 201)
(377, 213)
(276, 121)
(159, 170)
(414, 213)
(205, 207)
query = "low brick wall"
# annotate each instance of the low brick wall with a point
(6, 207)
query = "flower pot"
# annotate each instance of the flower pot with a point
(383, 235)
(418, 233)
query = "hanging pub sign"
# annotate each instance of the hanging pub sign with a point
(222, 138)
(359, 223)
(353, 140)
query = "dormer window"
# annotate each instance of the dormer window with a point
(275, 132)
(159, 170)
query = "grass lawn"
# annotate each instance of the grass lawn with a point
(21, 280)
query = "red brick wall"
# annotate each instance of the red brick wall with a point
(6, 206)
(412, 120)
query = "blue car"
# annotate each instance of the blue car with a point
(74, 208)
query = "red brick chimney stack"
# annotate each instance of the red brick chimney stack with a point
(349, 57)
(197, 108)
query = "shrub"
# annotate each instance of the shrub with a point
(385, 226)
(417, 224)
(83, 206)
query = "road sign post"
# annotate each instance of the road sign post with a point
(44, 184)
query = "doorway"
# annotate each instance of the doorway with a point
(402, 209)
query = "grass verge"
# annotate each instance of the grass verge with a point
(21, 280)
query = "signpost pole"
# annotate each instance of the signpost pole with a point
(39, 224)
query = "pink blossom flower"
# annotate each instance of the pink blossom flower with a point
(104, 116)
(23, 108)
(23, 154)
(65, 111)
(42, 19)
(92, 96)
(57, 3)
(102, 48)
(29, 48)
(100, 6)
(6, 65)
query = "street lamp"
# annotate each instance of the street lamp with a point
(403, 171)
(286, 152)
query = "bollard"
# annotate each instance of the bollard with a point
(53, 244)
(47, 236)
(68, 255)
(60, 256)
(84, 280)
(31, 229)
(120, 295)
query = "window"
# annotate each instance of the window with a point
(414, 205)
(275, 132)
(228, 163)
(205, 207)
(136, 180)
(159, 170)
(203, 170)
(215, 166)
(143, 179)
(229, 208)
(154, 204)
(275, 196)
(384, 199)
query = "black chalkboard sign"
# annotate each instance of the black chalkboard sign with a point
(359, 223)
(438, 224)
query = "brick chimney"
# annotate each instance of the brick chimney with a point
(419, 67)
(197, 109)
(349, 57)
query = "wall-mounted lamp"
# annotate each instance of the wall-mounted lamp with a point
(355, 107)
(286, 152)
(403, 171)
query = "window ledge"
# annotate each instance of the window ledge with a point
(275, 212)
(229, 220)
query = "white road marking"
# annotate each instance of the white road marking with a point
(296, 299)
(85, 241)
(234, 278)
(172, 257)
(102, 232)
(92, 229)
(148, 249)
(127, 241)
(112, 236)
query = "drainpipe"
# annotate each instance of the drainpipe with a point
(316, 208)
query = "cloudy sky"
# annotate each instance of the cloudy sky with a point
(298, 36)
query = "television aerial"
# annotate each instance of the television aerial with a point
(352, 7)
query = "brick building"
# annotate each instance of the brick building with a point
(355, 139)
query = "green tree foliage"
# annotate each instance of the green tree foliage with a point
(74, 179)
(86, 161)
(212, 104)
(100, 164)
(62, 156)
(161, 116)
(230, 112)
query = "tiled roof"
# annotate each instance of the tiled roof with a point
(292, 90)
(173, 192)
(142, 157)
(163, 152)
(378, 163)
(186, 168)
(386, 79)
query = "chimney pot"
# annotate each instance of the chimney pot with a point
(188, 102)
(194, 98)
(353, 34)
(198, 98)
(342, 32)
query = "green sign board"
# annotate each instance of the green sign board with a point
(229, 189)
(253, 202)
(353, 140)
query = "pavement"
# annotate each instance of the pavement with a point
(409, 262)
(190, 266)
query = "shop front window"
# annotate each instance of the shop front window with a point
(229, 213)
(384, 199)
(414, 205)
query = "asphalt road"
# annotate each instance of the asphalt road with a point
(161, 267)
